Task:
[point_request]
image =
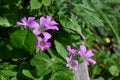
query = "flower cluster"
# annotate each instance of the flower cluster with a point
(40, 29)
(86, 55)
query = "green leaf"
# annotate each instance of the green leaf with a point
(28, 74)
(62, 75)
(100, 78)
(35, 4)
(4, 22)
(18, 38)
(92, 19)
(55, 58)
(7, 65)
(67, 24)
(30, 41)
(46, 2)
(60, 49)
(14, 78)
(113, 1)
(114, 70)
(23, 38)
(3, 76)
(42, 63)
(9, 72)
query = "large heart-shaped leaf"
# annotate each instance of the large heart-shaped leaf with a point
(23, 38)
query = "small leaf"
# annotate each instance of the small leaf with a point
(35, 4)
(4, 22)
(60, 49)
(114, 70)
(46, 2)
(28, 74)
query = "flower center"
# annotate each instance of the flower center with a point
(41, 29)
(42, 43)
(72, 63)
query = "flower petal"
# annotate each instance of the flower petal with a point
(92, 60)
(48, 27)
(72, 57)
(36, 31)
(74, 51)
(48, 44)
(43, 48)
(33, 24)
(75, 65)
(42, 21)
(81, 53)
(69, 48)
(68, 65)
(31, 19)
(53, 22)
(49, 18)
(46, 35)
(83, 48)
(86, 62)
(55, 28)
(68, 59)
(89, 54)
(19, 23)
(39, 39)
(24, 20)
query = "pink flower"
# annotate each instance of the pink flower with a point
(86, 55)
(27, 23)
(71, 63)
(48, 23)
(42, 43)
(40, 29)
(71, 51)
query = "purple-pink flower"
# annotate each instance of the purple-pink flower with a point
(86, 55)
(48, 23)
(71, 63)
(27, 23)
(40, 29)
(71, 51)
(42, 43)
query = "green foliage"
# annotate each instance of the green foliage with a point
(60, 49)
(35, 4)
(114, 70)
(4, 22)
(94, 23)
(28, 74)
(42, 63)
(23, 38)
(46, 2)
